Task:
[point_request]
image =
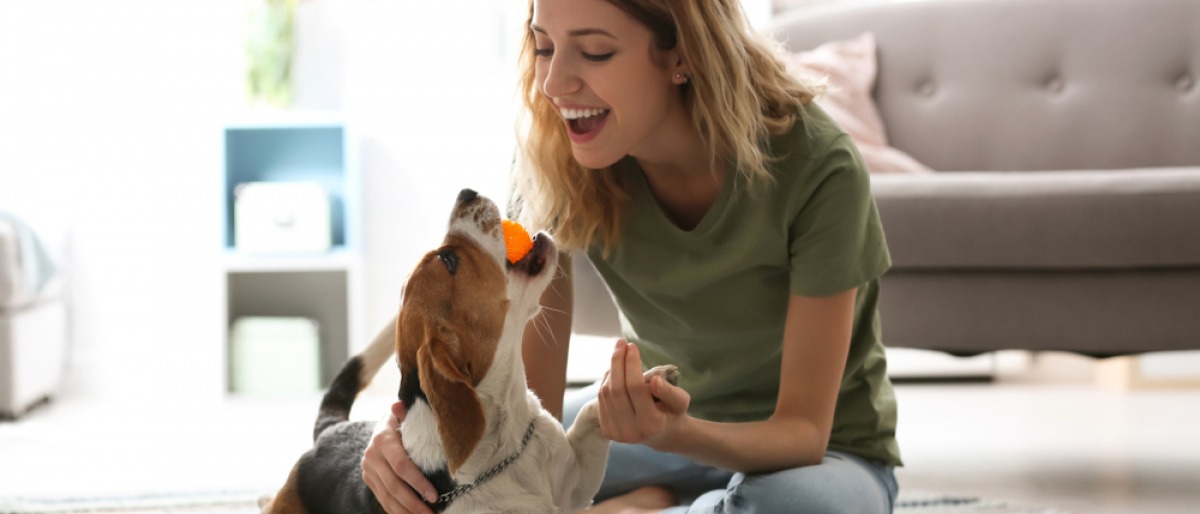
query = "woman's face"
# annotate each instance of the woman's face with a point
(601, 70)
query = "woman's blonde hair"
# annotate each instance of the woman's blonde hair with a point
(738, 94)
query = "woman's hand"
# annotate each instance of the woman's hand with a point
(634, 409)
(389, 472)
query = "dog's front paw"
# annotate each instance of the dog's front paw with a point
(589, 415)
(669, 372)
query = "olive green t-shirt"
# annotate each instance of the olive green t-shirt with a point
(712, 300)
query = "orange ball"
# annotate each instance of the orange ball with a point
(516, 240)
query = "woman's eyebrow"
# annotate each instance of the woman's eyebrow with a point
(577, 32)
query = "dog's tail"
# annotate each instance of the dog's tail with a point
(353, 378)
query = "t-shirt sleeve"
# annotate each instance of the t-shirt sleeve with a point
(836, 241)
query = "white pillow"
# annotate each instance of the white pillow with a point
(848, 67)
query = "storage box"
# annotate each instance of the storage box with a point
(274, 355)
(282, 217)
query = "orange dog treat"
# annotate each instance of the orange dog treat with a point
(516, 240)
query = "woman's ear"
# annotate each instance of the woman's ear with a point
(680, 71)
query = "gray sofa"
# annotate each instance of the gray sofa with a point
(1065, 211)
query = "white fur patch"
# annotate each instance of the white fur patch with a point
(421, 439)
(481, 223)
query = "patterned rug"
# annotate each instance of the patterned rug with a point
(246, 502)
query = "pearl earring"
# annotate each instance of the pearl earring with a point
(681, 78)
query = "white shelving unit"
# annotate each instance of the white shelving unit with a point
(325, 287)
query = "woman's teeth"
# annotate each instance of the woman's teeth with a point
(574, 114)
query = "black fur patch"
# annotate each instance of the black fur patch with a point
(329, 476)
(335, 406)
(410, 389)
(443, 484)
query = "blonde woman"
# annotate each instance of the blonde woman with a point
(733, 222)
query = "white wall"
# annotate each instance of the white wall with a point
(110, 125)
(110, 118)
(431, 92)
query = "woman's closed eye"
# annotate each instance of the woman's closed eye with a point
(599, 57)
(547, 52)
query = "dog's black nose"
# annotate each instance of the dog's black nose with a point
(466, 196)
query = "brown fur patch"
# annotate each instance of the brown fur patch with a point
(287, 501)
(452, 397)
(447, 333)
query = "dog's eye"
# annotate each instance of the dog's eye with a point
(450, 259)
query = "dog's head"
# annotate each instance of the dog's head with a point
(462, 304)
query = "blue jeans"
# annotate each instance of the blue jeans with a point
(841, 483)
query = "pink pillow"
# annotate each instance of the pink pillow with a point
(848, 69)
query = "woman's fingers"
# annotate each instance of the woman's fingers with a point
(389, 502)
(627, 410)
(640, 399)
(616, 369)
(401, 464)
(648, 421)
(623, 414)
(386, 468)
(404, 469)
(376, 473)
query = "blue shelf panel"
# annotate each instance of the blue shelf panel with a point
(311, 153)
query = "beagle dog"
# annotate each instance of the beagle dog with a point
(473, 427)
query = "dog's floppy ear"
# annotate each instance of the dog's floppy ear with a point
(451, 394)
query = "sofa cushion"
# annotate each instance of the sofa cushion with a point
(847, 69)
(1137, 218)
(1027, 85)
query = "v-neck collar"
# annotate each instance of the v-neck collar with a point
(654, 209)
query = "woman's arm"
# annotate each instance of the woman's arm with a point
(545, 346)
(816, 342)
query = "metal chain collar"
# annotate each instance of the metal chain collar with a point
(448, 497)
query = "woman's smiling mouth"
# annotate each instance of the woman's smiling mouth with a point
(584, 124)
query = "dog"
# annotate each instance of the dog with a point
(473, 427)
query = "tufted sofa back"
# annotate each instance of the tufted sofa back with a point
(1010, 85)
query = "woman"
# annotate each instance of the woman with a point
(733, 222)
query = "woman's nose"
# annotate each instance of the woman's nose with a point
(559, 78)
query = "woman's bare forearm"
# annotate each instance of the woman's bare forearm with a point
(547, 341)
(752, 447)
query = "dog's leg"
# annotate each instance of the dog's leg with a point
(591, 448)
